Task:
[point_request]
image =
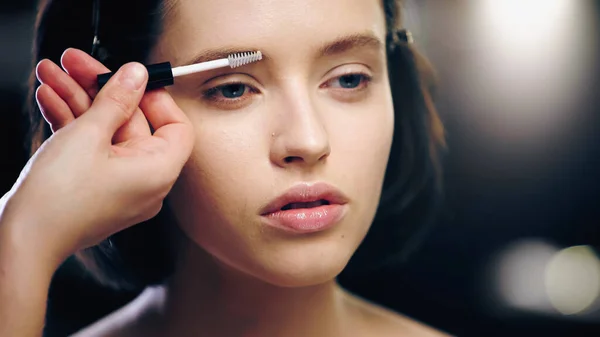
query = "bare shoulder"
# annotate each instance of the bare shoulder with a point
(129, 321)
(379, 321)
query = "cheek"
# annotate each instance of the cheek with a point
(219, 188)
(216, 184)
(368, 140)
(364, 140)
(363, 146)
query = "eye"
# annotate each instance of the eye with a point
(229, 93)
(349, 82)
(235, 90)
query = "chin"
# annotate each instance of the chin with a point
(302, 267)
(300, 277)
(273, 257)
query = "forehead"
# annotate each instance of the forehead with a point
(269, 25)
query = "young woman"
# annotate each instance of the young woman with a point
(271, 174)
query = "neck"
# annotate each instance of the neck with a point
(206, 298)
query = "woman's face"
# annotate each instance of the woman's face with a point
(316, 109)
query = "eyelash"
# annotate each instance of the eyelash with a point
(212, 93)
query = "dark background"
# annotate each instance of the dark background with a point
(515, 251)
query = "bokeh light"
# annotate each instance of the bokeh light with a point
(520, 272)
(521, 23)
(530, 65)
(572, 280)
(535, 276)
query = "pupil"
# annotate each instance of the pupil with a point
(233, 90)
(350, 81)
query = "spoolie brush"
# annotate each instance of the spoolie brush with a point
(162, 74)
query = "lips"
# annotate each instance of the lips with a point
(297, 205)
(305, 196)
(306, 208)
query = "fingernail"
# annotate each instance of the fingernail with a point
(37, 68)
(63, 56)
(64, 52)
(132, 76)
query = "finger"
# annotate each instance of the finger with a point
(66, 87)
(169, 122)
(160, 109)
(54, 110)
(117, 101)
(84, 69)
(136, 127)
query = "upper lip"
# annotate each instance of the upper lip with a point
(306, 192)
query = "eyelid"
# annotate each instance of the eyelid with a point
(347, 70)
(212, 92)
(229, 78)
(350, 68)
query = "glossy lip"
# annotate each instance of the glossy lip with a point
(306, 220)
(306, 192)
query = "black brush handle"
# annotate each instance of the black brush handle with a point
(159, 75)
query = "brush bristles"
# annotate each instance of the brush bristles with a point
(238, 60)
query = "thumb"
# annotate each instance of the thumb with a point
(115, 103)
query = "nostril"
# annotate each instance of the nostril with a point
(291, 159)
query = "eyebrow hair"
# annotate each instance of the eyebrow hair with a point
(349, 42)
(338, 46)
(215, 54)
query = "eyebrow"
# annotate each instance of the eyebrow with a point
(338, 46)
(348, 42)
(215, 54)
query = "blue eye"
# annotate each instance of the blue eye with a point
(350, 81)
(232, 91)
(229, 93)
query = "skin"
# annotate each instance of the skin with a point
(297, 109)
(235, 276)
(82, 185)
(328, 132)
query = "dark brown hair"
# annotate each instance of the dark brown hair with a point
(140, 256)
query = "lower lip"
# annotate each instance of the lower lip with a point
(306, 220)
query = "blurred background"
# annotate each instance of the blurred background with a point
(515, 251)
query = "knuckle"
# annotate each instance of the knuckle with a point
(120, 101)
(159, 187)
(56, 126)
(149, 212)
(157, 207)
(69, 94)
(150, 98)
(90, 131)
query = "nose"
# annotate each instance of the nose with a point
(301, 137)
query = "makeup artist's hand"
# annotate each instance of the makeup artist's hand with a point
(102, 170)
